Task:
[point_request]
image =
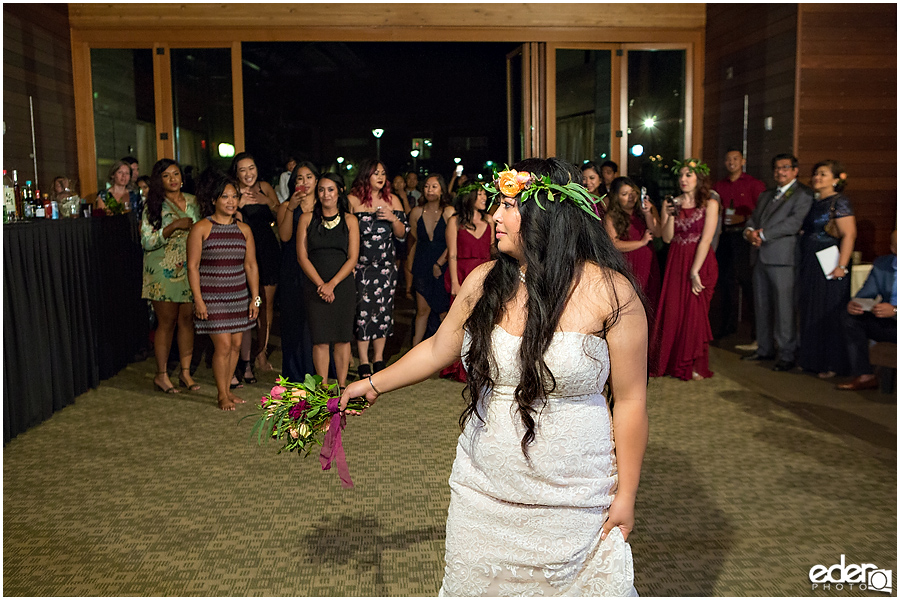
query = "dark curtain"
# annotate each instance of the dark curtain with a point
(72, 312)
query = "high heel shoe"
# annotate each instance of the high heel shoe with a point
(364, 370)
(243, 367)
(168, 390)
(193, 387)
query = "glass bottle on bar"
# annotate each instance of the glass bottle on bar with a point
(18, 192)
(9, 199)
(39, 210)
(27, 201)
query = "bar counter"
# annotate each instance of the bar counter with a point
(72, 312)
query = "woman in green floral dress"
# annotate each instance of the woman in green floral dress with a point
(167, 219)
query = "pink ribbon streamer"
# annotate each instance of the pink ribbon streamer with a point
(332, 447)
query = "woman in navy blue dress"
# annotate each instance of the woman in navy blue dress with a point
(823, 346)
(428, 256)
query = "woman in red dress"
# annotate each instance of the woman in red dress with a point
(470, 236)
(679, 343)
(632, 232)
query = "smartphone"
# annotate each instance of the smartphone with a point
(644, 198)
(459, 170)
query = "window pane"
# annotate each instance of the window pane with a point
(583, 108)
(656, 93)
(124, 110)
(203, 108)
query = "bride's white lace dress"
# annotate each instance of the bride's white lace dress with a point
(515, 529)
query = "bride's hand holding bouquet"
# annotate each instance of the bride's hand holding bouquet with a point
(358, 389)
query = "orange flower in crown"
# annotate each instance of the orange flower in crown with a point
(511, 183)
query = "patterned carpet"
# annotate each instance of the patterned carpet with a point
(129, 492)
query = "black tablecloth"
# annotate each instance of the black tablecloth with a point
(72, 312)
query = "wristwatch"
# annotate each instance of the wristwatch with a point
(258, 302)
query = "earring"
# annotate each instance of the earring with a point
(834, 185)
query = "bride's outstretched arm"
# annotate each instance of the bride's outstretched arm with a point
(431, 355)
(628, 379)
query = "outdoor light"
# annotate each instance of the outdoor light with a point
(649, 122)
(414, 153)
(428, 143)
(457, 160)
(601, 156)
(340, 160)
(637, 150)
(489, 164)
(349, 167)
(378, 132)
(226, 150)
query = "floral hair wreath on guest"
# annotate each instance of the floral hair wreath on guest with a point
(511, 183)
(694, 165)
(472, 187)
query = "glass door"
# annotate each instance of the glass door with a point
(202, 110)
(124, 109)
(583, 105)
(657, 119)
(526, 97)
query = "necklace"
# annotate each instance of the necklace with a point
(522, 274)
(332, 221)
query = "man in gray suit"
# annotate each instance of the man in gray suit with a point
(773, 230)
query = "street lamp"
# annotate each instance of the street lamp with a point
(378, 133)
(457, 160)
(415, 155)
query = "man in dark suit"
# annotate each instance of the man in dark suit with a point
(773, 231)
(878, 323)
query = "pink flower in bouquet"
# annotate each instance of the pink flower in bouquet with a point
(277, 391)
(294, 433)
(262, 401)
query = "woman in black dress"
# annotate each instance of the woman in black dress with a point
(296, 343)
(258, 204)
(428, 256)
(823, 346)
(327, 248)
(381, 221)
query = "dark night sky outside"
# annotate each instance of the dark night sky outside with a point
(320, 100)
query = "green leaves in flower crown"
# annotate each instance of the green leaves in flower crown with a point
(527, 186)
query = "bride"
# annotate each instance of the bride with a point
(546, 471)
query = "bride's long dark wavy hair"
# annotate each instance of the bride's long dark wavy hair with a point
(558, 240)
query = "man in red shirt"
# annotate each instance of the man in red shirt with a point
(739, 193)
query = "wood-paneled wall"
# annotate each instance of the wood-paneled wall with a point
(37, 62)
(750, 50)
(847, 108)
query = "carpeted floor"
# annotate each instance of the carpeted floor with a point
(130, 492)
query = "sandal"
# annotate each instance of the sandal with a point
(826, 374)
(243, 367)
(193, 387)
(168, 390)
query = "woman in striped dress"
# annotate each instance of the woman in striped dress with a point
(221, 257)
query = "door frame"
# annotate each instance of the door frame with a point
(162, 96)
(693, 135)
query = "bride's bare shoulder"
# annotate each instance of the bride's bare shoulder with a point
(604, 289)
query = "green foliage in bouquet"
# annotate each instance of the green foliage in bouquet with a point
(299, 413)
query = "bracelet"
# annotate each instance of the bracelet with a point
(844, 267)
(258, 302)
(373, 386)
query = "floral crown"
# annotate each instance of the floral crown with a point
(472, 187)
(511, 183)
(693, 164)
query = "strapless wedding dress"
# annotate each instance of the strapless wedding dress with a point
(519, 529)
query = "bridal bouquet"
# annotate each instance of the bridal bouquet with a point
(306, 415)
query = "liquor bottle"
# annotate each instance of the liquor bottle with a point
(27, 198)
(18, 192)
(9, 199)
(48, 208)
(39, 212)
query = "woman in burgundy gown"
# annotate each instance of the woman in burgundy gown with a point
(632, 232)
(470, 236)
(679, 343)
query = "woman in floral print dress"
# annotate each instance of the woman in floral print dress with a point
(381, 219)
(167, 219)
